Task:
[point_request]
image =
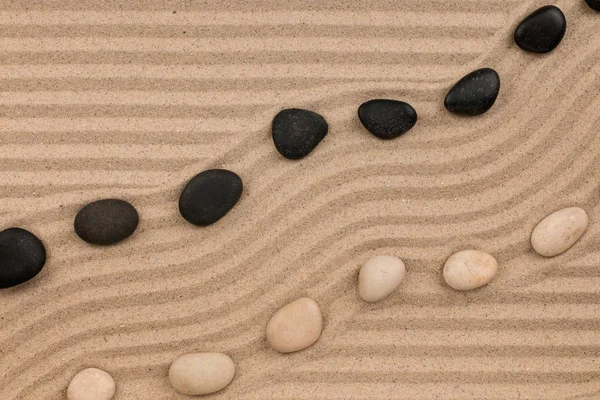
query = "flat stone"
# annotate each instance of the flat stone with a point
(594, 4)
(91, 384)
(210, 195)
(106, 221)
(22, 256)
(475, 93)
(469, 269)
(560, 230)
(196, 374)
(541, 31)
(387, 119)
(379, 277)
(297, 132)
(296, 326)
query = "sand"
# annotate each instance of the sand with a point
(130, 100)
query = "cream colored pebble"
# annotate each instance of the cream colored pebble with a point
(560, 230)
(379, 277)
(201, 373)
(91, 384)
(469, 269)
(295, 326)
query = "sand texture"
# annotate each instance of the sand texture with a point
(128, 99)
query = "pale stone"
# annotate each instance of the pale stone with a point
(296, 326)
(379, 277)
(91, 384)
(469, 269)
(196, 374)
(556, 233)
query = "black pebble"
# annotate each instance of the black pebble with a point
(542, 30)
(387, 119)
(210, 195)
(106, 221)
(22, 256)
(297, 132)
(475, 93)
(594, 4)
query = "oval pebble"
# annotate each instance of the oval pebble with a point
(210, 195)
(379, 277)
(106, 221)
(475, 93)
(22, 256)
(295, 326)
(541, 31)
(297, 132)
(560, 230)
(594, 4)
(387, 119)
(91, 384)
(196, 374)
(469, 269)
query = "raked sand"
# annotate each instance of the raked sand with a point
(129, 99)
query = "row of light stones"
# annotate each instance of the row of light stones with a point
(298, 325)
(210, 195)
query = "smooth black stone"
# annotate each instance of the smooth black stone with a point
(22, 256)
(594, 4)
(210, 195)
(387, 119)
(297, 132)
(475, 93)
(542, 30)
(106, 221)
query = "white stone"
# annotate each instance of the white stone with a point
(295, 326)
(91, 384)
(196, 374)
(560, 230)
(379, 277)
(469, 269)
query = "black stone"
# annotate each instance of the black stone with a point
(297, 132)
(106, 221)
(210, 195)
(475, 93)
(22, 256)
(542, 30)
(387, 119)
(594, 4)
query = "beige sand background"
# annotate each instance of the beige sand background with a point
(127, 99)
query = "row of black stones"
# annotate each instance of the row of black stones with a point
(210, 195)
(297, 132)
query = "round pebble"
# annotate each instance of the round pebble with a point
(387, 119)
(541, 31)
(22, 256)
(106, 221)
(560, 230)
(210, 195)
(196, 374)
(297, 132)
(296, 326)
(469, 269)
(594, 4)
(475, 93)
(379, 277)
(91, 384)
